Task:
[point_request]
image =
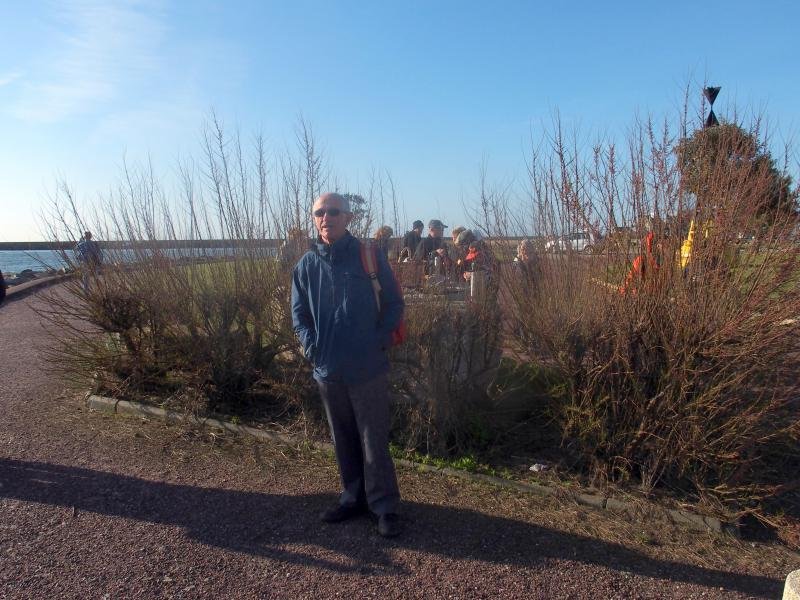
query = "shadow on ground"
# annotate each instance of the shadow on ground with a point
(281, 527)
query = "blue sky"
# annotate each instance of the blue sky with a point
(428, 90)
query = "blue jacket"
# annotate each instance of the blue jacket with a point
(88, 252)
(335, 315)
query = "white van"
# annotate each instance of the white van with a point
(580, 241)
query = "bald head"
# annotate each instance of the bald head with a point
(342, 202)
(331, 216)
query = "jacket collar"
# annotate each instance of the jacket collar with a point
(336, 247)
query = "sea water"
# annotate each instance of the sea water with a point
(16, 261)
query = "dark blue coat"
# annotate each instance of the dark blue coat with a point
(335, 315)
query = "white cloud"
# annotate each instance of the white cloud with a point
(8, 78)
(99, 47)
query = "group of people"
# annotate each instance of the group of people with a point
(468, 251)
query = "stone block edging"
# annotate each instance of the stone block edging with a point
(15, 292)
(682, 517)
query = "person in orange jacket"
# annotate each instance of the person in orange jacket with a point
(645, 266)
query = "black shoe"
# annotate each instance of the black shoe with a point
(389, 525)
(340, 513)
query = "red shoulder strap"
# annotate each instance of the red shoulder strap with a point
(370, 264)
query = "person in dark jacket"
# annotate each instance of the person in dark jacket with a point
(90, 257)
(345, 336)
(432, 248)
(2, 288)
(411, 240)
(478, 256)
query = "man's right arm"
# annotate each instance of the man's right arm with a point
(302, 320)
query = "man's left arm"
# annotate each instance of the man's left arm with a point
(392, 304)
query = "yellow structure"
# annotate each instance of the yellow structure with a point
(686, 246)
(688, 243)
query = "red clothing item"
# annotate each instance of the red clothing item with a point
(644, 266)
(472, 255)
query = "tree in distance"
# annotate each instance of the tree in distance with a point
(728, 153)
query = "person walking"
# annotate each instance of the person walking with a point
(345, 337)
(90, 256)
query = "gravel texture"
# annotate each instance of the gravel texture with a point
(97, 506)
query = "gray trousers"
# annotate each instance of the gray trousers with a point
(358, 416)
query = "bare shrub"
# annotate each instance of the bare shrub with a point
(192, 301)
(442, 374)
(684, 378)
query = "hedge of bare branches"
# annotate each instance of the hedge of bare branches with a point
(680, 375)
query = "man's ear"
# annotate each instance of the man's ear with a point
(348, 219)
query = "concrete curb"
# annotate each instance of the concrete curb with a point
(16, 292)
(792, 589)
(680, 517)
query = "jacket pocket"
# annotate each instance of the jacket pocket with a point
(359, 301)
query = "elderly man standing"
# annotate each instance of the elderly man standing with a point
(345, 336)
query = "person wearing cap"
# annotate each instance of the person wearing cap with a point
(432, 246)
(344, 335)
(412, 239)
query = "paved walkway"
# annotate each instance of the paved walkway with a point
(95, 506)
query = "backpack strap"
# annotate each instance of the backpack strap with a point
(370, 264)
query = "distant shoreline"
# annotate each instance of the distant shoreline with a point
(165, 244)
(161, 244)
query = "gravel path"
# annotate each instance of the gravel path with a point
(95, 506)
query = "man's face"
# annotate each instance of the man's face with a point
(436, 232)
(329, 219)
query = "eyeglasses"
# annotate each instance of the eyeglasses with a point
(331, 212)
